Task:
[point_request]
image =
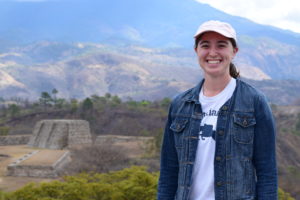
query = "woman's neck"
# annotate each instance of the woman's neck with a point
(213, 86)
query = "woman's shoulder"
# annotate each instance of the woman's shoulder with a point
(191, 94)
(248, 89)
(248, 93)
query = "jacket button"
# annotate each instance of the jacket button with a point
(219, 183)
(221, 132)
(218, 158)
(225, 108)
(245, 123)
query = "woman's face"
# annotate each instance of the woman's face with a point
(215, 53)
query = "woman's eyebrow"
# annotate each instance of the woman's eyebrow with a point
(203, 41)
(223, 42)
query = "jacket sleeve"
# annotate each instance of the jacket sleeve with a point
(265, 152)
(168, 180)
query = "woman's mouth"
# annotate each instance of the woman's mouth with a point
(213, 61)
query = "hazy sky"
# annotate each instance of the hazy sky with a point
(284, 14)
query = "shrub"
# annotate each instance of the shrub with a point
(133, 183)
(284, 195)
(4, 130)
(97, 158)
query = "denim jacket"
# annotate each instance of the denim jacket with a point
(245, 160)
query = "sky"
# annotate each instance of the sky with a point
(283, 14)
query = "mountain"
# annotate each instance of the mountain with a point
(83, 69)
(139, 49)
(155, 23)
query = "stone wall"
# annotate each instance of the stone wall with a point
(111, 139)
(132, 145)
(60, 134)
(14, 140)
(18, 168)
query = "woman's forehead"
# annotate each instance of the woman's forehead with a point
(213, 35)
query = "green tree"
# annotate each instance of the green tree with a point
(14, 110)
(99, 102)
(74, 105)
(4, 130)
(115, 101)
(45, 99)
(60, 103)
(107, 95)
(86, 111)
(54, 93)
(165, 102)
(284, 195)
(133, 183)
(87, 105)
(145, 103)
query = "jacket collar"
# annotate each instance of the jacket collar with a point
(193, 96)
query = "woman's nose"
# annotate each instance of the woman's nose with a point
(212, 52)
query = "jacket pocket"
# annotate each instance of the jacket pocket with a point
(178, 127)
(244, 124)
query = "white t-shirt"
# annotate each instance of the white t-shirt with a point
(203, 172)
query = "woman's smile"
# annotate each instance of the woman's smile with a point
(215, 53)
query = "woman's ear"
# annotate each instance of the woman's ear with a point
(235, 50)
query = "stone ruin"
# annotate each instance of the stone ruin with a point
(40, 163)
(54, 138)
(57, 135)
(60, 134)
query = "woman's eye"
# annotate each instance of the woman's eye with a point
(222, 45)
(204, 46)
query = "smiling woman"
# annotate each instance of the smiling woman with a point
(215, 53)
(229, 155)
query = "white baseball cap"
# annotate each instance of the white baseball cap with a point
(222, 28)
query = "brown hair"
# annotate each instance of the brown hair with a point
(232, 69)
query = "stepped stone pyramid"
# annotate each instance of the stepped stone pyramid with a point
(60, 134)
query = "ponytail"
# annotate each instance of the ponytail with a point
(233, 71)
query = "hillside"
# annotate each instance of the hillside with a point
(288, 151)
(82, 69)
(109, 116)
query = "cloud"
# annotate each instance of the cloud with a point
(131, 33)
(280, 13)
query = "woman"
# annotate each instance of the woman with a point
(219, 140)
